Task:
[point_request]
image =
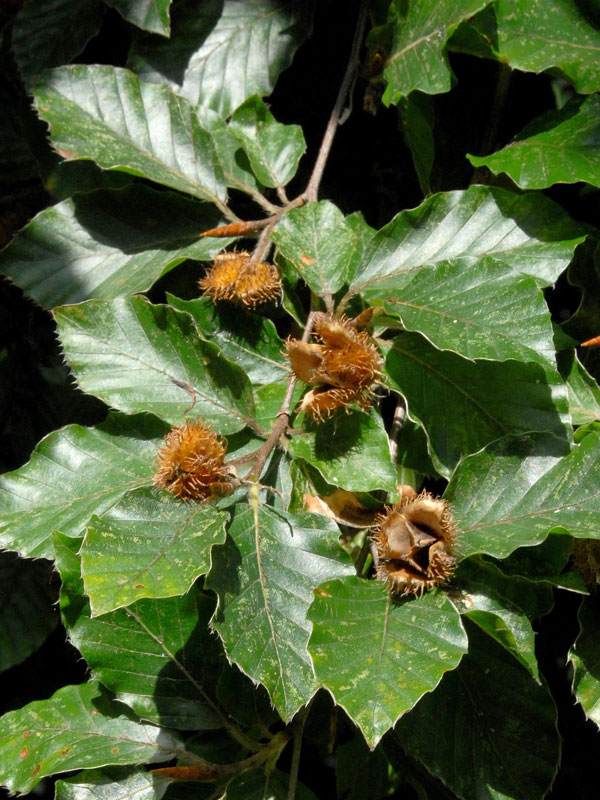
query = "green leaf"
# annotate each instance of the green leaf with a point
(74, 473)
(526, 232)
(249, 340)
(349, 450)
(107, 244)
(444, 390)
(137, 356)
(586, 659)
(150, 15)
(274, 150)
(221, 54)
(518, 489)
(419, 32)
(378, 656)
(157, 656)
(108, 115)
(147, 545)
(116, 783)
(503, 607)
(361, 774)
(258, 785)
(558, 147)
(535, 35)
(416, 113)
(53, 32)
(77, 727)
(27, 607)
(488, 731)
(264, 577)
(465, 307)
(320, 244)
(584, 392)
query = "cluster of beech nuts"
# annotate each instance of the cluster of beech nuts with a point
(413, 540)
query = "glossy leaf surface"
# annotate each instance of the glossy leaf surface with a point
(74, 473)
(107, 244)
(378, 656)
(264, 577)
(116, 783)
(586, 660)
(108, 115)
(518, 489)
(147, 545)
(150, 15)
(136, 357)
(558, 147)
(221, 54)
(497, 398)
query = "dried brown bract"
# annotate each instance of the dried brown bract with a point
(234, 278)
(414, 540)
(191, 463)
(343, 363)
(586, 553)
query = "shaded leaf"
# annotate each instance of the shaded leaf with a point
(147, 545)
(76, 728)
(443, 390)
(503, 607)
(249, 340)
(273, 149)
(535, 35)
(518, 489)
(525, 232)
(264, 577)
(320, 244)
(151, 15)
(116, 783)
(53, 32)
(107, 244)
(361, 774)
(221, 54)
(74, 473)
(135, 356)
(27, 607)
(349, 450)
(378, 656)
(416, 112)
(465, 307)
(158, 657)
(467, 733)
(558, 147)
(584, 392)
(419, 32)
(257, 785)
(586, 659)
(106, 114)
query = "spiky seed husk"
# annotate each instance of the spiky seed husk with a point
(320, 403)
(190, 463)
(414, 540)
(235, 279)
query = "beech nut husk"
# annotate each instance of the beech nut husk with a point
(235, 279)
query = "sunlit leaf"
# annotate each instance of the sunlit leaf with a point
(584, 392)
(77, 727)
(444, 390)
(273, 149)
(419, 32)
(378, 656)
(488, 731)
(108, 115)
(220, 54)
(558, 147)
(349, 450)
(320, 244)
(141, 357)
(116, 783)
(74, 473)
(264, 577)
(151, 15)
(107, 244)
(518, 489)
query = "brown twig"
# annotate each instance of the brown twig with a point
(312, 188)
(260, 250)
